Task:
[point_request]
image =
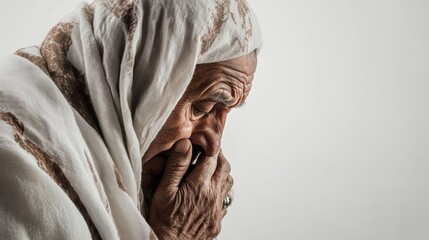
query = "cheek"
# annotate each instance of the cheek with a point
(217, 124)
(175, 128)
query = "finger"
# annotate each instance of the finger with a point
(177, 164)
(222, 170)
(227, 187)
(203, 170)
(227, 191)
(152, 169)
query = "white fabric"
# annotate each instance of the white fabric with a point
(136, 59)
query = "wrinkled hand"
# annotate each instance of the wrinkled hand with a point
(190, 206)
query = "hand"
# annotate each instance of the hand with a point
(190, 207)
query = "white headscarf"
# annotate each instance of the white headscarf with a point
(78, 113)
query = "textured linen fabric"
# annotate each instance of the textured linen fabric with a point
(78, 112)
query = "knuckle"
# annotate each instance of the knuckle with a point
(227, 167)
(206, 164)
(230, 180)
(216, 228)
(198, 187)
(221, 155)
(177, 161)
(202, 179)
(224, 164)
(191, 186)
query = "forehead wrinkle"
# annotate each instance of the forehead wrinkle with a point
(233, 82)
(245, 66)
(214, 71)
(236, 74)
(238, 85)
(237, 80)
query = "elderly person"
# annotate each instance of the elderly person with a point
(111, 129)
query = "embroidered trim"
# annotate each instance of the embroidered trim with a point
(69, 80)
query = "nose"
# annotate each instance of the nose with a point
(208, 133)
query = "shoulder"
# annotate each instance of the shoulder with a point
(31, 204)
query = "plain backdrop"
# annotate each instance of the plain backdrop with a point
(334, 140)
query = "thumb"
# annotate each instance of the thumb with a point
(177, 164)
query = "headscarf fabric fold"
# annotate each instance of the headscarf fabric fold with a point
(78, 112)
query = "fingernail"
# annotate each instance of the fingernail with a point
(182, 146)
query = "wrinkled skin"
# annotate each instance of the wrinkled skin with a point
(188, 201)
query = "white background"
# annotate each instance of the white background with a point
(334, 141)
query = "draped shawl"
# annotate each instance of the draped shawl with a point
(78, 112)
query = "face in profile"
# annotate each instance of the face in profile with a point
(200, 115)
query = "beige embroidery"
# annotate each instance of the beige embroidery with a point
(50, 167)
(243, 11)
(88, 12)
(69, 80)
(221, 14)
(246, 24)
(36, 60)
(219, 17)
(119, 179)
(125, 10)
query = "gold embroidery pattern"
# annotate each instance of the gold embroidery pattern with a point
(69, 80)
(125, 10)
(36, 60)
(219, 17)
(88, 12)
(246, 24)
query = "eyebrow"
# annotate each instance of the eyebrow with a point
(221, 98)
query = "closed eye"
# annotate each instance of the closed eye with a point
(203, 108)
(199, 111)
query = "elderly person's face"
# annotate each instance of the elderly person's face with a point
(201, 112)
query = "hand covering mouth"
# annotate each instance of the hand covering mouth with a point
(153, 169)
